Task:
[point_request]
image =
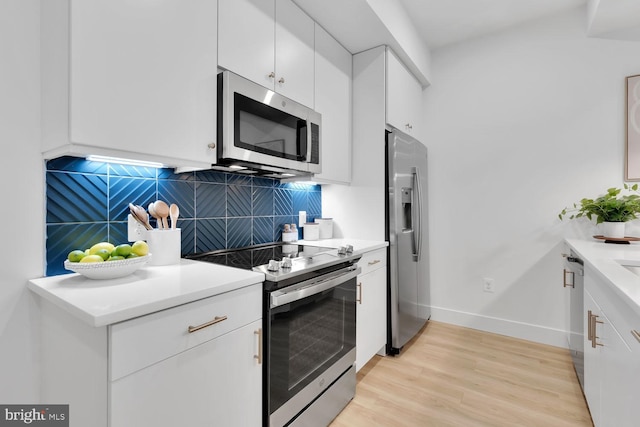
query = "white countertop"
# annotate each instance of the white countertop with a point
(608, 259)
(149, 289)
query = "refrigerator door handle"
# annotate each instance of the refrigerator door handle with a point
(417, 234)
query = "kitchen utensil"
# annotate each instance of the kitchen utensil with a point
(153, 213)
(162, 210)
(144, 216)
(174, 212)
(141, 217)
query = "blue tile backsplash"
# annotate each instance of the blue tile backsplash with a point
(88, 202)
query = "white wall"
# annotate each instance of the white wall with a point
(519, 124)
(21, 191)
(413, 50)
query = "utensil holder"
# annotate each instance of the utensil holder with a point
(165, 246)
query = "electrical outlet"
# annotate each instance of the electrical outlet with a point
(135, 230)
(488, 285)
(302, 218)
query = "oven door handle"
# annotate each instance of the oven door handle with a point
(279, 298)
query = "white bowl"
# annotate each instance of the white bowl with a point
(107, 269)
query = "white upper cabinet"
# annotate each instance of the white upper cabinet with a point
(404, 96)
(333, 71)
(294, 53)
(270, 42)
(246, 41)
(130, 79)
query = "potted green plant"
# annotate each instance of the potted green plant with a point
(611, 209)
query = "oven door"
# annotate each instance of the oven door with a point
(311, 335)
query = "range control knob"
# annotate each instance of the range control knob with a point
(273, 265)
(349, 249)
(286, 262)
(342, 250)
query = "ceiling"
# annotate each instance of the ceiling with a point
(444, 22)
(408, 26)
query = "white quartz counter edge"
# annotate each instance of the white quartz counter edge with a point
(608, 260)
(150, 289)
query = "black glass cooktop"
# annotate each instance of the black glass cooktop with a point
(254, 256)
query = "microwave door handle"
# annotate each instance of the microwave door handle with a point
(282, 297)
(309, 143)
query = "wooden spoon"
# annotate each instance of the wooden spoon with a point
(162, 210)
(174, 212)
(154, 214)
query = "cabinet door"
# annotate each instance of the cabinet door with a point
(217, 383)
(143, 76)
(592, 358)
(294, 53)
(619, 379)
(404, 96)
(246, 40)
(371, 315)
(612, 371)
(333, 101)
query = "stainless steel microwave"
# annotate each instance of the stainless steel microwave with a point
(262, 131)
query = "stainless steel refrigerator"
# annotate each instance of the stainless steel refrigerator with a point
(409, 300)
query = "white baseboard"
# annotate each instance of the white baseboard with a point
(511, 328)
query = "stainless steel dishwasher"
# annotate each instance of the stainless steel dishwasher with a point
(573, 281)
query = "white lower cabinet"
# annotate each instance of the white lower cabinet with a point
(611, 353)
(593, 360)
(371, 313)
(216, 383)
(196, 364)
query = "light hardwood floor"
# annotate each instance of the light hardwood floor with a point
(454, 376)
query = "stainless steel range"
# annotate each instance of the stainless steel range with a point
(309, 317)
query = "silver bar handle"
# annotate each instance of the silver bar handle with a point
(279, 298)
(418, 238)
(309, 140)
(564, 280)
(594, 337)
(215, 320)
(258, 356)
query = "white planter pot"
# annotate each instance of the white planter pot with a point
(613, 229)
